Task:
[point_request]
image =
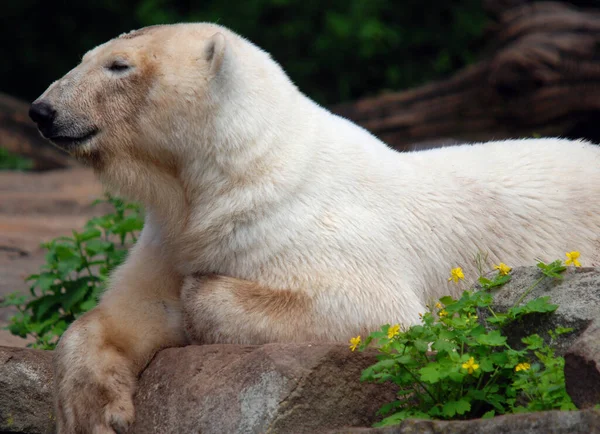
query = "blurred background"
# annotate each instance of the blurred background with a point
(416, 73)
(335, 50)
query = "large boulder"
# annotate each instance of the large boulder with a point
(244, 389)
(26, 391)
(582, 368)
(577, 295)
(215, 389)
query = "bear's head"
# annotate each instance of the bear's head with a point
(157, 100)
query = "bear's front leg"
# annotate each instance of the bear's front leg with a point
(98, 359)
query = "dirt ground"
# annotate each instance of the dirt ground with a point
(36, 207)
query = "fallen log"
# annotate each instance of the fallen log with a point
(540, 75)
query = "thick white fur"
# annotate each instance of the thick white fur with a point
(268, 187)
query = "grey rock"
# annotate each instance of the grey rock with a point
(548, 422)
(577, 296)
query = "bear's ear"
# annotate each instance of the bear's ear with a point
(214, 53)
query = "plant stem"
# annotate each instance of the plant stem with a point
(528, 290)
(419, 382)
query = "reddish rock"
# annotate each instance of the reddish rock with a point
(215, 389)
(582, 368)
(26, 391)
(243, 389)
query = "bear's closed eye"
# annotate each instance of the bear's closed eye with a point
(118, 66)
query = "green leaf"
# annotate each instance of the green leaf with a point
(563, 330)
(65, 253)
(396, 418)
(430, 373)
(130, 224)
(553, 269)
(404, 359)
(45, 281)
(382, 365)
(447, 301)
(488, 414)
(75, 294)
(88, 235)
(499, 358)
(493, 339)
(41, 306)
(486, 365)
(13, 299)
(444, 345)
(457, 377)
(421, 345)
(88, 305)
(500, 318)
(96, 246)
(537, 305)
(452, 408)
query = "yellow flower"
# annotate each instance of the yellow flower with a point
(572, 258)
(354, 342)
(522, 367)
(456, 274)
(438, 305)
(421, 315)
(470, 365)
(393, 331)
(502, 268)
(442, 313)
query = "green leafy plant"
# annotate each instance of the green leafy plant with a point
(455, 365)
(9, 161)
(74, 275)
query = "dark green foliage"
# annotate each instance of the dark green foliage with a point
(334, 51)
(10, 161)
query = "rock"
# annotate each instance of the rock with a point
(555, 422)
(577, 296)
(26, 391)
(582, 368)
(279, 388)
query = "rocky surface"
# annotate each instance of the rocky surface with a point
(582, 368)
(548, 422)
(577, 295)
(272, 388)
(36, 207)
(215, 389)
(25, 391)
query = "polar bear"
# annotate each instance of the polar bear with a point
(270, 219)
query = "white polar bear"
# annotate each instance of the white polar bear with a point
(271, 219)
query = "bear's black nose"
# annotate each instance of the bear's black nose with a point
(43, 115)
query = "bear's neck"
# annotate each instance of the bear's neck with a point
(252, 156)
